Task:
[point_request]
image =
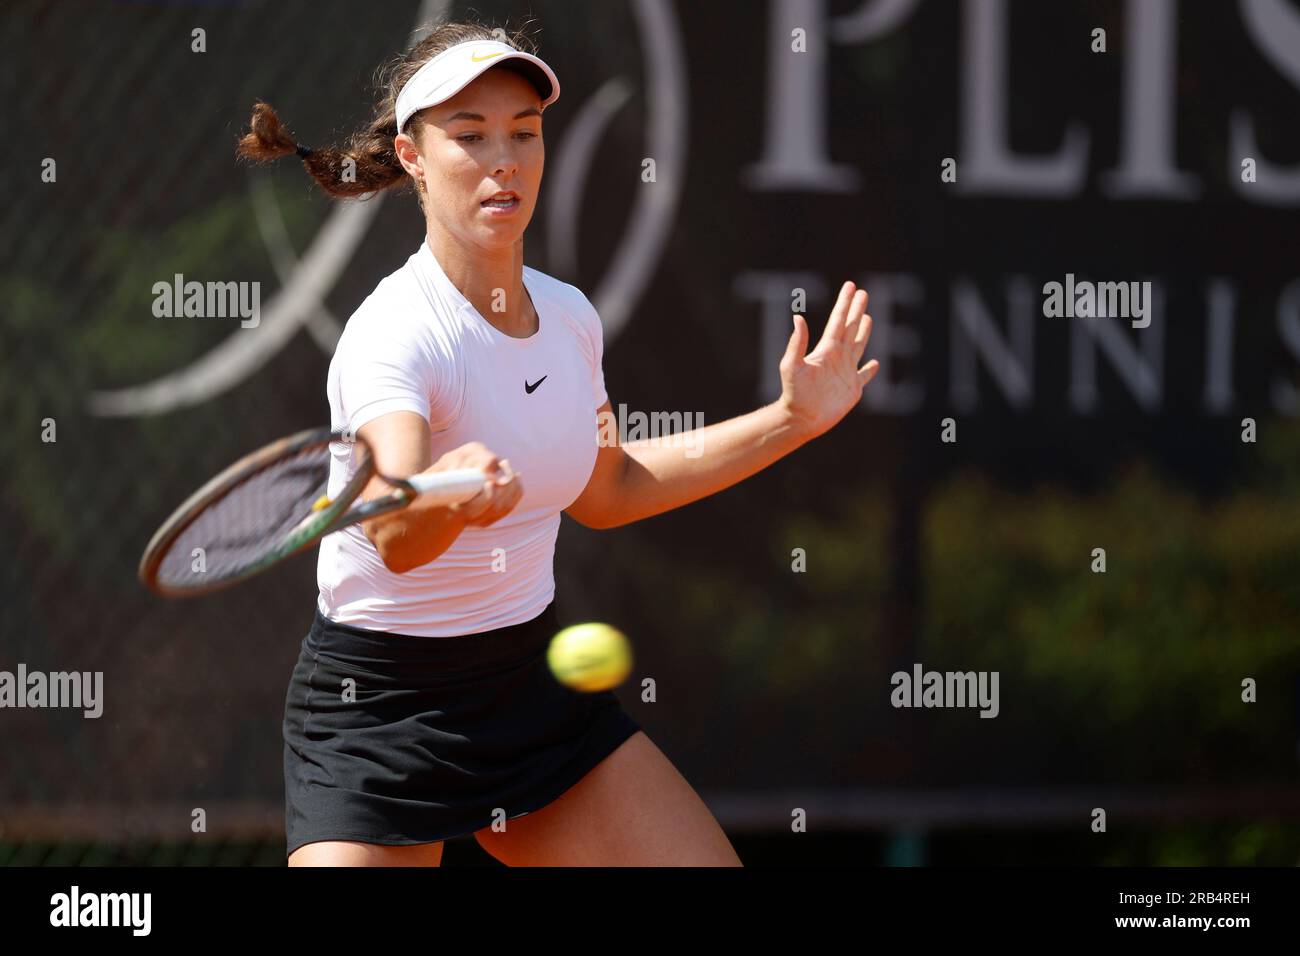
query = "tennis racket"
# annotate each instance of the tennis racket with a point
(272, 504)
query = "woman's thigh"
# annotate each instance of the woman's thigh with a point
(349, 853)
(631, 809)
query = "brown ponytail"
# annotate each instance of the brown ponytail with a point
(374, 164)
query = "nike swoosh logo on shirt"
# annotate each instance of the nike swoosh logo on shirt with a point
(529, 388)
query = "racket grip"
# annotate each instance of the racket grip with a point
(448, 487)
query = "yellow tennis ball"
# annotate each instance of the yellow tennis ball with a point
(590, 657)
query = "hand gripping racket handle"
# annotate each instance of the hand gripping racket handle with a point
(442, 488)
(448, 487)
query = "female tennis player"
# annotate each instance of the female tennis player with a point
(421, 707)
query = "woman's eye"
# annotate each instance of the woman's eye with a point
(472, 137)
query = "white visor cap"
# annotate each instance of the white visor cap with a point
(454, 68)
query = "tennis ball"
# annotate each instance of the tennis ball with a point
(590, 657)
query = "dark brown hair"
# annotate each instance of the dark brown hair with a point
(371, 147)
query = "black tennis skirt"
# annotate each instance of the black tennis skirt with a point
(397, 739)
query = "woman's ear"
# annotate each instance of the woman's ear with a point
(408, 154)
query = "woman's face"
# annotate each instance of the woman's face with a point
(485, 140)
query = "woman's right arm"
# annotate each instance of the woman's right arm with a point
(417, 534)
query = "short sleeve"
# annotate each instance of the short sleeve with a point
(596, 334)
(379, 374)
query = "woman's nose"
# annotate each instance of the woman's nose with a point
(507, 158)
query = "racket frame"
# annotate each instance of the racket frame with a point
(455, 486)
(230, 478)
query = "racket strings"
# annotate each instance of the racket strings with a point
(249, 524)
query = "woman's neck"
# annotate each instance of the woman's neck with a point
(493, 282)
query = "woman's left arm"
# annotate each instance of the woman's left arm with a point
(640, 479)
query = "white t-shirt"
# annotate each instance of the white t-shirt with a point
(417, 344)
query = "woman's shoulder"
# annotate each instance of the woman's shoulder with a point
(398, 311)
(568, 298)
(396, 301)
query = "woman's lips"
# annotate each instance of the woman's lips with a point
(500, 207)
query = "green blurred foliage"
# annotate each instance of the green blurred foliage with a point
(1132, 676)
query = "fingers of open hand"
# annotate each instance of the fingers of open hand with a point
(839, 314)
(861, 337)
(853, 322)
(858, 345)
(847, 351)
(846, 318)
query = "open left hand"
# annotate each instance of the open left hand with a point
(819, 388)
